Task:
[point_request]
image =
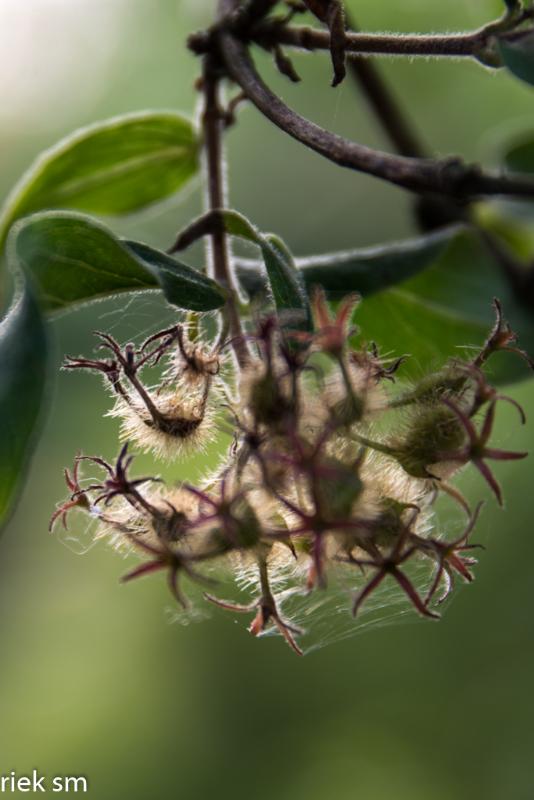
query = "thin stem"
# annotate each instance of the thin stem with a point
(478, 44)
(437, 45)
(430, 210)
(212, 125)
(218, 251)
(264, 578)
(379, 96)
(449, 177)
(373, 445)
(445, 186)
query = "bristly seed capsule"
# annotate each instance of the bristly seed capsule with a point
(331, 467)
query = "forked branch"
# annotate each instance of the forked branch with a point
(450, 176)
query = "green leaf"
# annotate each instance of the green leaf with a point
(113, 167)
(518, 155)
(23, 378)
(518, 55)
(182, 285)
(285, 280)
(365, 270)
(75, 259)
(439, 312)
(370, 269)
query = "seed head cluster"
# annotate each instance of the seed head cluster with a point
(333, 465)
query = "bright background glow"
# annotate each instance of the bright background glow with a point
(93, 678)
(54, 52)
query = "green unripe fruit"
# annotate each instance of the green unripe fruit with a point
(435, 430)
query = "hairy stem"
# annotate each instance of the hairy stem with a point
(307, 38)
(431, 211)
(218, 251)
(445, 187)
(382, 101)
(449, 177)
(478, 44)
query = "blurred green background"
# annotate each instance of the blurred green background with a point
(94, 680)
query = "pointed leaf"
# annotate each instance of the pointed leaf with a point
(363, 270)
(113, 167)
(368, 270)
(75, 259)
(180, 282)
(285, 280)
(23, 373)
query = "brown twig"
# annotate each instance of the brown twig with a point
(460, 45)
(382, 101)
(445, 187)
(448, 177)
(478, 44)
(218, 253)
(431, 211)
